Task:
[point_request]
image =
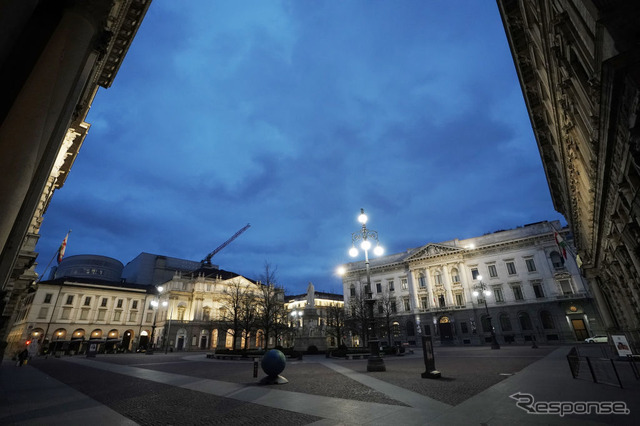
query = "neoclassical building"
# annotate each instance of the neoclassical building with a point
(54, 55)
(95, 299)
(578, 62)
(535, 291)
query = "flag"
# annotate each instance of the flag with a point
(562, 245)
(62, 248)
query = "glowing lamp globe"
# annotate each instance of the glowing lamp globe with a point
(353, 252)
(273, 362)
(378, 251)
(365, 245)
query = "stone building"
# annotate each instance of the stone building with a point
(535, 292)
(578, 62)
(88, 300)
(54, 55)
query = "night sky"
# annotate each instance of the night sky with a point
(291, 116)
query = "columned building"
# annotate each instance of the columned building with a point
(535, 291)
(54, 55)
(578, 62)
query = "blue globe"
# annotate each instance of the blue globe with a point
(273, 362)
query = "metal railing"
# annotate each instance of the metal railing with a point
(602, 369)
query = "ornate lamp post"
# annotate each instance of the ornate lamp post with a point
(482, 287)
(375, 362)
(155, 304)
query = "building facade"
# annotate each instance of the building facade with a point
(66, 50)
(536, 293)
(578, 62)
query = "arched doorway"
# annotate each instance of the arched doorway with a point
(113, 341)
(127, 340)
(181, 339)
(144, 340)
(77, 341)
(446, 329)
(203, 339)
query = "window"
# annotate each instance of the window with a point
(525, 321)
(505, 322)
(486, 324)
(474, 273)
(103, 302)
(531, 265)
(556, 259)
(404, 284)
(441, 301)
(547, 320)
(464, 328)
(455, 278)
(437, 277)
(69, 300)
(422, 282)
(208, 287)
(537, 289)
(87, 301)
(393, 307)
(378, 287)
(424, 302)
(47, 298)
(497, 293)
(459, 299)
(380, 309)
(391, 287)
(565, 286)
(352, 290)
(134, 304)
(411, 330)
(517, 292)
(511, 268)
(493, 272)
(407, 305)
(119, 304)
(43, 313)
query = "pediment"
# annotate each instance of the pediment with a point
(433, 250)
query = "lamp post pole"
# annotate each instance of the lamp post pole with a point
(166, 341)
(374, 362)
(155, 303)
(482, 287)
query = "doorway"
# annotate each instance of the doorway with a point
(580, 329)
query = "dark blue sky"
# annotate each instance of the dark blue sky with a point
(292, 116)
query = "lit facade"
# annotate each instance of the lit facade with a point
(577, 62)
(535, 292)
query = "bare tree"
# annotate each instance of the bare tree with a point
(248, 314)
(271, 304)
(232, 306)
(335, 321)
(387, 313)
(357, 316)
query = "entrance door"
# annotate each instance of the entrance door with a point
(180, 343)
(580, 329)
(446, 332)
(203, 342)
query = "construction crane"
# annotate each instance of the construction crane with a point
(207, 260)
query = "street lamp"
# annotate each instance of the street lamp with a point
(482, 287)
(155, 304)
(374, 362)
(168, 329)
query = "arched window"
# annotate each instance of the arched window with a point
(455, 277)
(411, 330)
(525, 321)
(556, 259)
(486, 325)
(206, 314)
(505, 322)
(437, 277)
(422, 280)
(396, 329)
(547, 320)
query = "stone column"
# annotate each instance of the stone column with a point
(447, 285)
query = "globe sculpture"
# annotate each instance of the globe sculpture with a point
(273, 363)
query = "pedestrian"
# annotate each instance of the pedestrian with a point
(22, 357)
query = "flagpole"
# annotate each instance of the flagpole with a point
(64, 241)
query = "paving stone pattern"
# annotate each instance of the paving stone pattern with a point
(150, 403)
